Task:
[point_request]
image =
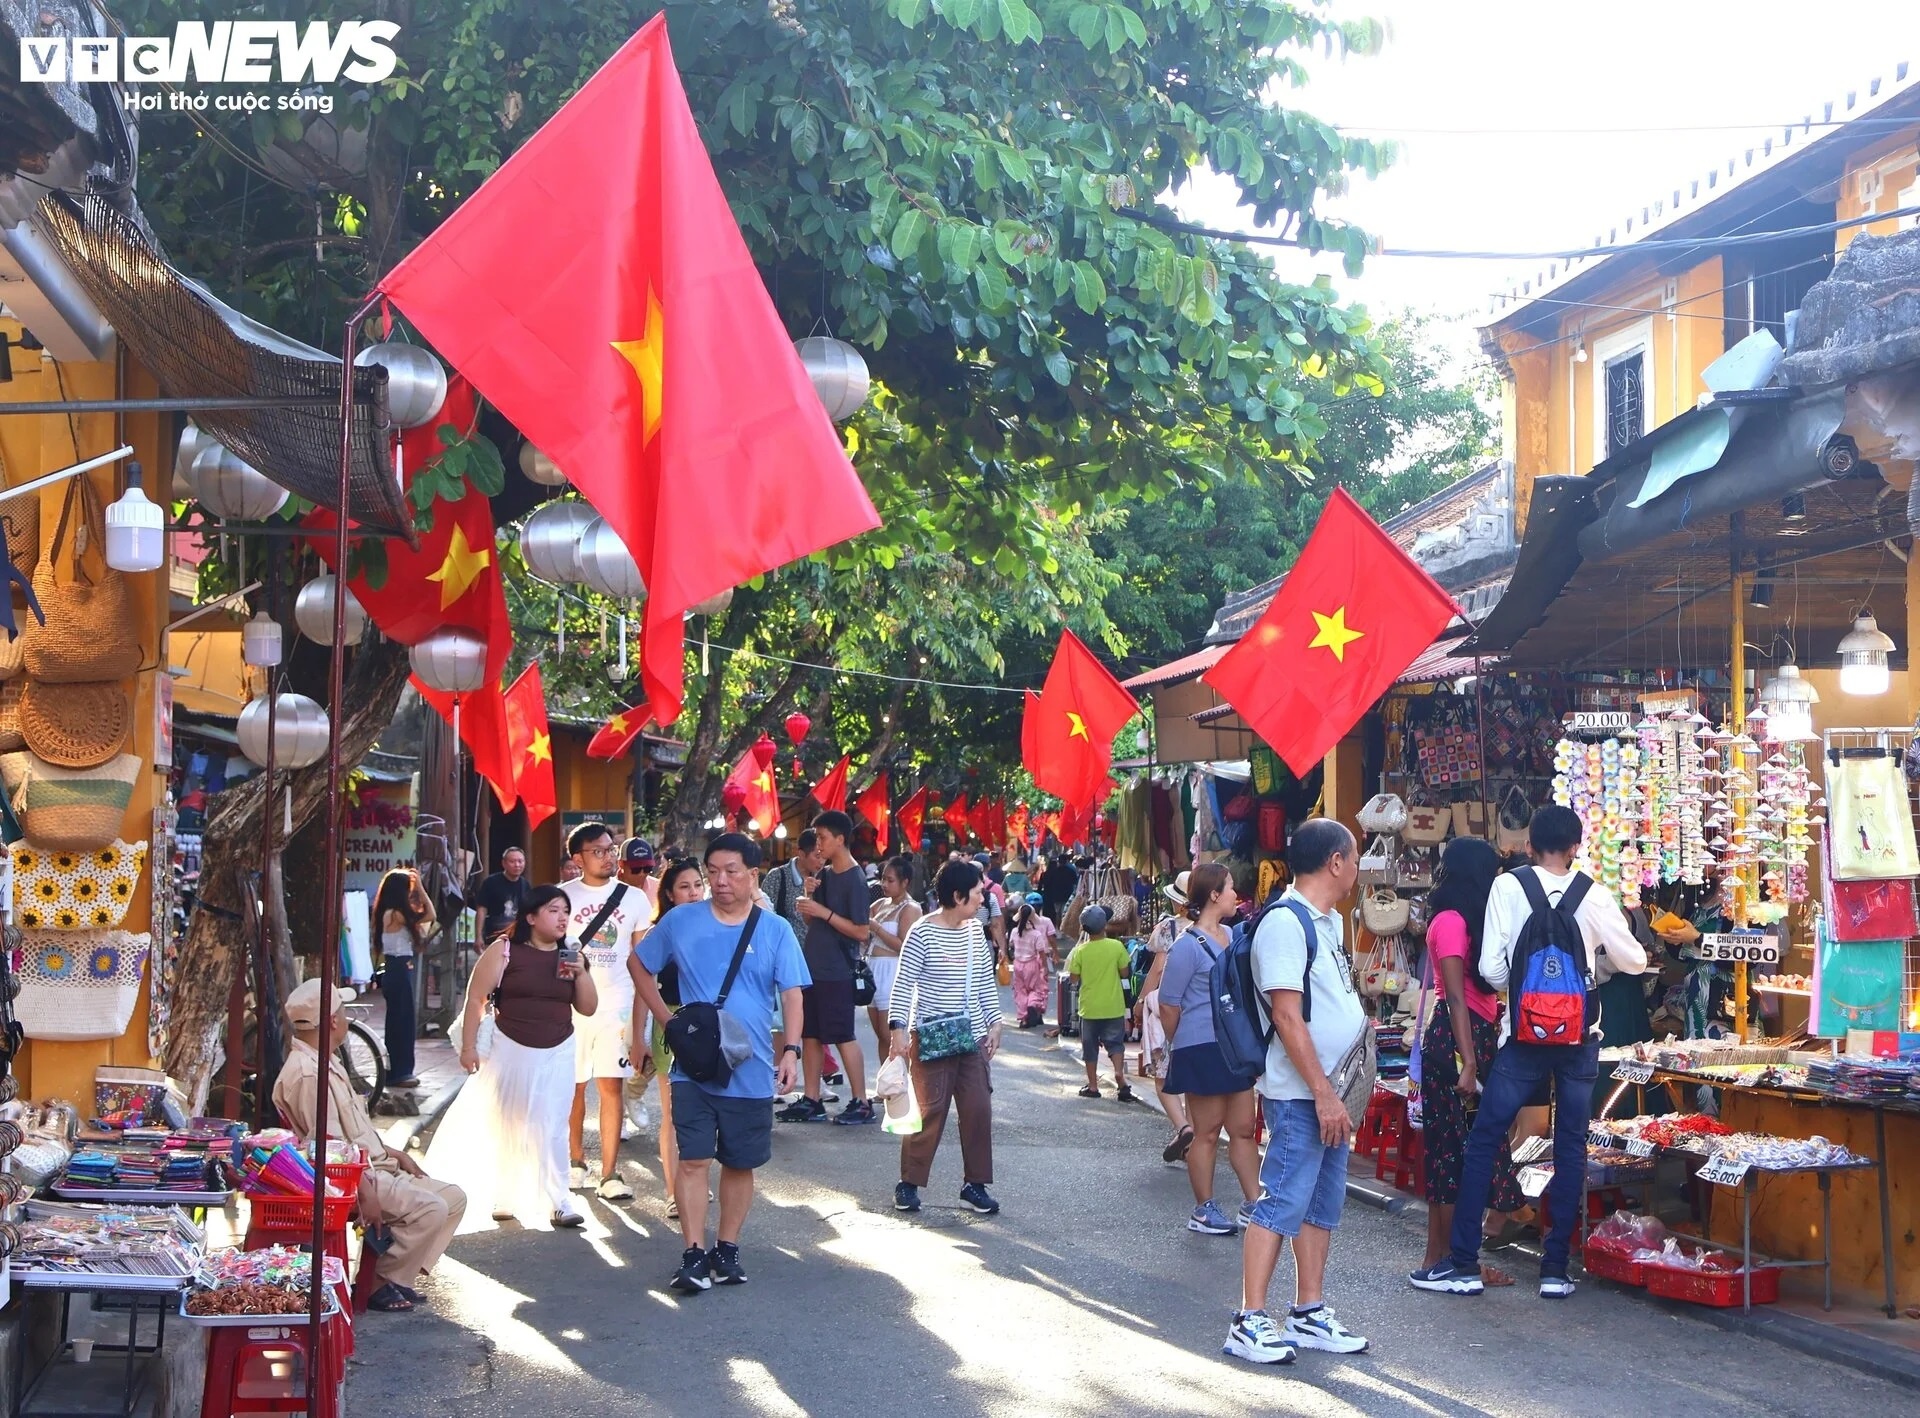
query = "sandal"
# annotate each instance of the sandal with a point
(1494, 1278)
(1176, 1151)
(389, 1299)
(1089, 1092)
(1126, 1095)
(411, 1293)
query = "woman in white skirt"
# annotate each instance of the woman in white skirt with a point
(887, 923)
(505, 1136)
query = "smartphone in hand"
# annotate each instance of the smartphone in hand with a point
(569, 958)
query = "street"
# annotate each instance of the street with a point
(1086, 1297)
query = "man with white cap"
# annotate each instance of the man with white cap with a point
(396, 1196)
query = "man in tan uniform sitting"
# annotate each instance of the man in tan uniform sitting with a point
(421, 1213)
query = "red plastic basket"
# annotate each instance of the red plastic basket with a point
(1722, 1289)
(1610, 1264)
(295, 1213)
(345, 1176)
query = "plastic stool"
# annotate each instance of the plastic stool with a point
(1367, 1140)
(266, 1369)
(1410, 1166)
(1392, 1133)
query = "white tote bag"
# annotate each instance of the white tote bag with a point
(80, 984)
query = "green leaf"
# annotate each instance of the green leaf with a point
(1019, 22)
(1059, 368)
(990, 280)
(907, 233)
(1089, 291)
(1085, 23)
(961, 14)
(804, 140)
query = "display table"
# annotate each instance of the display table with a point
(153, 1294)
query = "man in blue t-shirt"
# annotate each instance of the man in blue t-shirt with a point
(732, 1122)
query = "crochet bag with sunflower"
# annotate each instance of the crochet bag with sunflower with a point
(55, 890)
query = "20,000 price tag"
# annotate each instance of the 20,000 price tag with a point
(1632, 1071)
(1639, 1147)
(1724, 1171)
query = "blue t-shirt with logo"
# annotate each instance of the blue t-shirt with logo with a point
(702, 946)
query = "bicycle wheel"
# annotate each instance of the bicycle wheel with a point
(360, 1055)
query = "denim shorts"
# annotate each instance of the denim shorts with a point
(1098, 1034)
(738, 1132)
(1302, 1180)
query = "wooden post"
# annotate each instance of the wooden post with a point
(1738, 671)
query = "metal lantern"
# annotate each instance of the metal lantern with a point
(232, 489)
(838, 373)
(136, 529)
(300, 731)
(550, 540)
(712, 605)
(1786, 700)
(452, 660)
(540, 468)
(1863, 657)
(194, 440)
(416, 383)
(260, 641)
(607, 565)
(313, 611)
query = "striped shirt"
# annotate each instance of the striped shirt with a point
(945, 970)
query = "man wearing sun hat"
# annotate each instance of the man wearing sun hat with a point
(396, 1196)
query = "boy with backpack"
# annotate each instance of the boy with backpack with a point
(1551, 936)
(1102, 967)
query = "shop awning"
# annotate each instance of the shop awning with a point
(1181, 670)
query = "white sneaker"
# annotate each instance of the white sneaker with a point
(1555, 1287)
(1254, 1336)
(615, 1189)
(1319, 1329)
(576, 1177)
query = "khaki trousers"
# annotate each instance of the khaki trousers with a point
(962, 1081)
(423, 1214)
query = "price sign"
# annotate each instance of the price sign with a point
(1750, 947)
(1639, 1147)
(1632, 1071)
(1600, 721)
(1534, 1179)
(1724, 1171)
(1600, 1137)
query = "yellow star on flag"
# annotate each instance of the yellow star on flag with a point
(1079, 729)
(617, 724)
(541, 749)
(1333, 633)
(764, 782)
(461, 569)
(647, 355)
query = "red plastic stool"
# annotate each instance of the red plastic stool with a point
(1410, 1166)
(266, 1368)
(366, 1279)
(1367, 1141)
(1392, 1134)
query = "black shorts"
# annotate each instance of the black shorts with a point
(736, 1131)
(826, 1011)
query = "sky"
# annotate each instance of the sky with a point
(1695, 81)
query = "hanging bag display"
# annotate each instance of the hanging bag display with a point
(1868, 816)
(1515, 817)
(75, 725)
(79, 984)
(89, 635)
(1383, 911)
(1384, 812)
(1273, 828)
(1427, 825)
(1470, 819)
(1376, 865)
(68, 809)
(74, 891)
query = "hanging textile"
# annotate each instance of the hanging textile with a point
(1131, 841)
(1169, 830)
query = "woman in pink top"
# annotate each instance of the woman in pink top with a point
(1463, 1031)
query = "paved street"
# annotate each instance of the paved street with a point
(1086, 1298)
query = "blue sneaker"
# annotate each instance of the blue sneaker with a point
(1244, 1216)
(906, 1197)
(1208, 1220)
(974, 1194)
(1445, 1279)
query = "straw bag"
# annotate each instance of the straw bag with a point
(88, 635)
(12, 650)
(1427, 825)
(1384, 812)
(76, 810)
(71, 891)
(75, 725)
(10, 736)
(1470, 819)
(1383, 911)
(1516, 814)
(80, 984)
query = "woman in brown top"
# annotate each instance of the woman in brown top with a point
(506, 1134)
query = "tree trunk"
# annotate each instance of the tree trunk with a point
(217, 938)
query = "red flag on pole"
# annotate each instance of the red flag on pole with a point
(761, 803)
(831, 791)
(530, 741)
(1017, 824)
(872, 805)
(959, 822)
(613, 738)
(912, 817)
(1353, 613)
(597, 290)
(1070, 728)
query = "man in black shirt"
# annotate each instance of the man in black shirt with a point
(502, 893)
(835, 909)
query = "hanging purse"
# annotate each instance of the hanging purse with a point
(1470, 819)
(1384, 813)
(1516, 813)
(89, 631)
(1377, 864)
(1427, 825)
(946, 1036)
(1383, 911)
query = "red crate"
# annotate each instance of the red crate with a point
(1721, 1288)
(295, 1213)
(345, 1176)
(1610, 1264)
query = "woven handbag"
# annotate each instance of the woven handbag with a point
(10, 736)
(76, 810)
(75, 725)
(79, 984)
(1427, 825)
(89, 631)
(12, 651)
(71, 891)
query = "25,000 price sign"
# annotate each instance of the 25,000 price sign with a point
(1750, 947)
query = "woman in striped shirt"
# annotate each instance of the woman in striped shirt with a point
(946, 970)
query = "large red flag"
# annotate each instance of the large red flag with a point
(1353, 613)
(597, 290)
(912, 817)
(831, 791)
(872, 805)
(1017, 824)
(613, 738)
(762, 803)
(996, 833)
(530, 741)
(1069, 730)
(959, 821)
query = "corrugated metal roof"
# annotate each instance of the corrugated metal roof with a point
(1178, 671)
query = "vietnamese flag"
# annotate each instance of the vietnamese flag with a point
(530, 741)
(1353, 613)
(996, 836)
(872, 805)
(762, 803)
(912, 817)
(613, 738)
(958, 821)
(831, 791)
(1017, 824)
(1069, 729)
(597, 290)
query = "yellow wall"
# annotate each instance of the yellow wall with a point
(1896, 165)
(580, 783)
(31, 446)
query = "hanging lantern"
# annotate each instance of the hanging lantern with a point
(300, 731)
(136, 529)
(797, 726)
(733, 797)
(1863, 657)
(550, 540)
(313, 611)
(260, 641)
(799, 768)
(232, 489)
(540, 468)
(838, 373)
(416, 382)
(763, 751)
(194, 440)
(606, 565)
(1786, 706)
(712, 605)
(452, 660)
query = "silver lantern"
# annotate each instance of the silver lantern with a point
(607, 565)
(234, 490)
(713, 605)
(313, 611)
(299, 731)
(451, 660)
(194, 440)
(416, 383)
(838, 373)
(540, 468)
(550, 540)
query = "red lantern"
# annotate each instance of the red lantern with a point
(797, 726)
(763, 751)
(799, 768)
(733, 797)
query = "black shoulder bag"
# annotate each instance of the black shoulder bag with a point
(698, 1033)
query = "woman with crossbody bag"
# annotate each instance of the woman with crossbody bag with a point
(946, 1019)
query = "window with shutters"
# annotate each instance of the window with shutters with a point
(1623, 369)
